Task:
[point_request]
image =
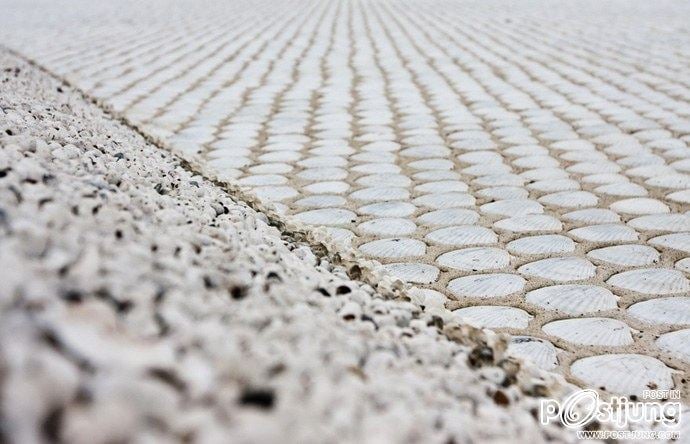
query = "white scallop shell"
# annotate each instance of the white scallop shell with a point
(560, 269)
(445, 200)
(534, 223)
(487, 285)
(321, 174)
(626, 255)
(442, 186)
(664, 311)
(662, 222)
(552, 186)
(677, 241)
(605, 233)
(413, 272)
(425, 176)
(616, 138)
(682, 196)
(512, 207)
(593, 216)
(526, 150)
(271, 168)
(422, 139)
(647, 171)
(623, 189)
(570, 199)
(545, 244)
(381, 193)
(591, 331)
(473, 144)
(321, 201)
(324, 161)
(388, 209)
(683, 265)
(427, 298)
(639, 205)
(540, 352)
(392, 180)
(463, 235)
(275, 193)
(573, 299)
(475, 259)
(262, 179)
(670, 180)
(431, 164)
(450, 216)
(599, 167)
(662, 281)
(364, 157)
(388, 226)
(425, 151)
(604, 179)
(496, 180)
(677, 343)
(625, 374)
(327, 216)
(542, 161)
(640, 158)
(573, 145)
(376, 168)
(544, 174)
(340, 235)
(493, 317)
(394, 247)
(479, 157)
(503, 193)
(327, 187)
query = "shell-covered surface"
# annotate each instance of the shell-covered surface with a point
(677, 343)
(541, 352)
(486, 285)
(463, 147)
(491, 316)
(573, 299)
(625, 255)
(591, 331)
(657, 281)
(673, 310)
(561, 269)
(548, 244)
(630, 374)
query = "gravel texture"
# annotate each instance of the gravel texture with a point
(140, 303)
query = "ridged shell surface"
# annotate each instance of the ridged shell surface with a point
(591, 331)
(573, 299)
(623, 374)
(663, 311)
(626, 255)
(486, 285)
(549, 244)
(561, 269)
(475, 259)
(658, 281)
(677, 343)
(539, 351)
(493, 316)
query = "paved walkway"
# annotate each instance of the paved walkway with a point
(139, 302)
(529, 164)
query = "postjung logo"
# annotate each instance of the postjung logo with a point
(659, 410)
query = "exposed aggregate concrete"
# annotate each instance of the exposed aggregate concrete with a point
(138, 302)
